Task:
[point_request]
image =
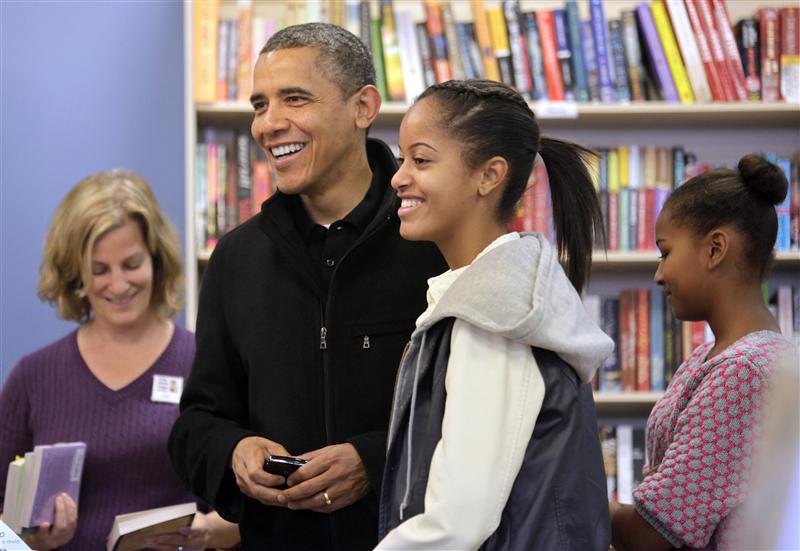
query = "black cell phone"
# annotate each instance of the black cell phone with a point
(282, 465)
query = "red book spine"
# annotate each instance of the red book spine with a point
(732, 59)
(768, 30)
(613, 220)
(714, 82)
(643, 340)
(552, 69)
(717, 54)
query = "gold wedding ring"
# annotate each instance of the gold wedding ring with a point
(328, 499)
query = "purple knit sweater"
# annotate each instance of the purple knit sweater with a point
(52, 396)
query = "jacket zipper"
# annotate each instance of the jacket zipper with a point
(323, 332)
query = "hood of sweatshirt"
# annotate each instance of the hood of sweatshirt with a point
(518, 289)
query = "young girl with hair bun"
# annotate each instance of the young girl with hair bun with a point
(493, 441)
(716, 235)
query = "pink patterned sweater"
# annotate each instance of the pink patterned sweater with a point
(699, 441)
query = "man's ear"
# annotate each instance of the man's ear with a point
(494, 172)
(718, 243)
(368, 104)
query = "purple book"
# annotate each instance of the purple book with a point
(655, 53)
(598, 19)
(55, 468)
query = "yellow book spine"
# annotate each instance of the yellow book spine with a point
(671, 52)
(613, 171)
(391, 55)
(624, 166)
(205, 23)
(484, 38)
(497, 30)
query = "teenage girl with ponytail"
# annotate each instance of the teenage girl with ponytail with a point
(716, 235)
(493, 441)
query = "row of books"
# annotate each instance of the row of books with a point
(633, 182)
(680, 51)
(651, 344)
(231, 180)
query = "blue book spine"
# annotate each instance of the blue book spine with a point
(535, 56)
(655, 53)
(590, 61)
(564, 54)
(598, 19)
(579, 69)
(463, 44)
(618, 55)
(784, 240)
(656, 340)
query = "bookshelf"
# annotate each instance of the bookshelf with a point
(718, 132)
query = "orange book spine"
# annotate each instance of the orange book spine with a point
(484, 38)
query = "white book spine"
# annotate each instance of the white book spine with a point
(689, 51)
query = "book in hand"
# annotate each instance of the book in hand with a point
(33, 482)
(133, 531)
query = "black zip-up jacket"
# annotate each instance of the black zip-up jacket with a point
(278, 358)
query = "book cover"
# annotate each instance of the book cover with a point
(518, 41)
(491, 71)
(671, 52)
(790, 55)
(590, 61)
(552, 69)
(500, 44)
(747, 41)
(655, 53)
(539, 81)
(769, 37)
(618, 60)
(732, 59)
(689, 50)
(564, 54)
(575, 46)
(598, 20)
(132, 531)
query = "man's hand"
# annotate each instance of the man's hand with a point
(65, 521)
(333, 478)
(247, 463)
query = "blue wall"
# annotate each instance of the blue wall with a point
(86, 86)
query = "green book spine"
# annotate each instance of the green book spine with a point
(377, 57)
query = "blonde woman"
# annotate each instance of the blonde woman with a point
(111, 264)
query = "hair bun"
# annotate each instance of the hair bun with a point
(764, 178)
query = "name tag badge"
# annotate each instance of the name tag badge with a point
(167, 389)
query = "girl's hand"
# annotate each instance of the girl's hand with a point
(65, 521)
(190, 538)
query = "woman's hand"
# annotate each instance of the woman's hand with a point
(65, 521)
(190, 538)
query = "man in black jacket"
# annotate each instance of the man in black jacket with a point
(304, 311)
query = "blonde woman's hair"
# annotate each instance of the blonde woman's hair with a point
(93, 207)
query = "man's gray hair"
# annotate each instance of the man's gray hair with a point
(344, 58)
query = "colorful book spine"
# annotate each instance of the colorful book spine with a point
(590, 61)
(718, 91)
(633, 55)
(671, 52)
(391, 54)
(451, 34)
(732, 59)
(425, 55)
(598, 19)
(627, 339)
(500, 45)
(410, 58)
(769, 33)
(377, 57)
(609, 372)
(519, 48)
(746, 32)
(483, 35)
(575, 46)
(535, 56)
(470, 54)
(439, 50)
(618, 60)
(205, 25)
(564, 54)
(709, 29)
(655, 54)
(244, 49)
(790, 54)
(688, 49)
(552, 69)
(656, 340)
(244, 177)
